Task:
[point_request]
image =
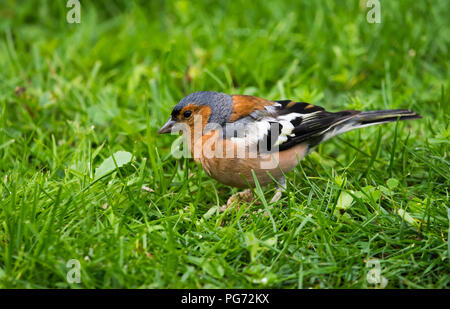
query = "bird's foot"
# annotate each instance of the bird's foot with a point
(276, 197)
(244, 196)
(279, 191)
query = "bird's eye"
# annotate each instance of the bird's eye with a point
(187, 114)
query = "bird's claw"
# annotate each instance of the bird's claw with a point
(245, 196)
(276, 197)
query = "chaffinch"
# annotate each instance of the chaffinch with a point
(233, 135)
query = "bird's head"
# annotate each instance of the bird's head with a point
(208, 106)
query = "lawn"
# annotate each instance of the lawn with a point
(372, 203)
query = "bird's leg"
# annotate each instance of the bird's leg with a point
(281, 187)
(246, 196)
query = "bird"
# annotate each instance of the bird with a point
(240, 138)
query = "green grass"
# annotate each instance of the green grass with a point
(108, 83)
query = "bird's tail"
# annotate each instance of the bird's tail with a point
(375, 117)
(358, 120)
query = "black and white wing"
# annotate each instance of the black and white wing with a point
(285, 124)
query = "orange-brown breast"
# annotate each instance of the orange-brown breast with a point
(233, 170)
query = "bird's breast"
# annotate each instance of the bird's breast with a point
(232, 163)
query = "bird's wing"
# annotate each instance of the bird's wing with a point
(280, 125)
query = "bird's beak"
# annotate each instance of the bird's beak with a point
(167, 127)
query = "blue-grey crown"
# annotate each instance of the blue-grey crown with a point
(220, 104)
